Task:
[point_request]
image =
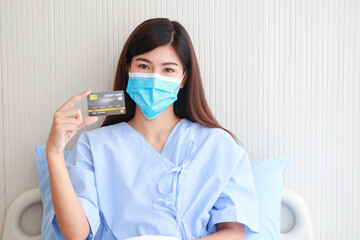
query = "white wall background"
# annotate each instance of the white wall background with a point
(283, 75)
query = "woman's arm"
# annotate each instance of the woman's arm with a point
(68, 210)
(228, 231)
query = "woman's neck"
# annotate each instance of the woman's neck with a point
(159, 127)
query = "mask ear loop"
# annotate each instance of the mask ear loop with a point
(182, 79)
(183, 76)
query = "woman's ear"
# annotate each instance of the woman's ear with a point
(182, 84)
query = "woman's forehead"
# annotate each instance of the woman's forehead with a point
(160, 55)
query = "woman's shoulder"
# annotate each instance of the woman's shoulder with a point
(209, 131)
(106, 132)
(217, 136)
(218, 144)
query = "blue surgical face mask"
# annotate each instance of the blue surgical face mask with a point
(152, 92)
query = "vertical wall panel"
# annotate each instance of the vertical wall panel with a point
(2, 155)
(284, 76)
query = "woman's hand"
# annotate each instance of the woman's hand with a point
(66, 123)
(227, 230)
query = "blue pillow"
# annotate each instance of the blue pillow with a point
(268, 178)
(47, 231)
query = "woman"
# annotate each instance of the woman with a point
(166, 167)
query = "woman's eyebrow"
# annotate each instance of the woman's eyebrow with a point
(164, 64)
(143, 59)
(169, 63)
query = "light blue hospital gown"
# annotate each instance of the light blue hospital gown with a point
(127, 188)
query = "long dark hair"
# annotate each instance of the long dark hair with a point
(191, 102)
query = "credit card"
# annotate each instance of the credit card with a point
(106, 103)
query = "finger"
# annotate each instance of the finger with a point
(88, 121)
(69, 103)
(65, 127)
(70, 113)
(71, 120)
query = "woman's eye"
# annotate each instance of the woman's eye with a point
(143, 66)
(168, 70)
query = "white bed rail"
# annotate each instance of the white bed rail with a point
(302, 230)
(12, 229)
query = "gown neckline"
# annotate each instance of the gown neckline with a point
(167, 142)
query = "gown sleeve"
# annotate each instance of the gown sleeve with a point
(238, 202)
(81, 171)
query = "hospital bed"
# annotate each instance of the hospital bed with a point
(302, 228)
